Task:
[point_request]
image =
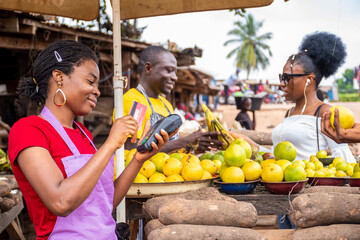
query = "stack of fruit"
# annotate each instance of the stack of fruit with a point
(237, 166)
(282, 166)
(338, 168)
(175, 167)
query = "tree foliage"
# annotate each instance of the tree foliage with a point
(346, 82)
(251, 51)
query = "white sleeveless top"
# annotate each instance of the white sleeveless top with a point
(300, 130)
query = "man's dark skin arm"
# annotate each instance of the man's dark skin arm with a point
(204, 139)
(339, 135)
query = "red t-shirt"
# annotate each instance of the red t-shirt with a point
(35, 131)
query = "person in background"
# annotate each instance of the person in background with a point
(228, 83)
(243, 117)
(260, 87)
(157, 68)
(66, 182)
(320, 95)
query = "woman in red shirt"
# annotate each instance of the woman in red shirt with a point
(66, 182)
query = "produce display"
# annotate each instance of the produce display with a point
(176, 167)
(240, 162)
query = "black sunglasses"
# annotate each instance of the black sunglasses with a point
(287, 77)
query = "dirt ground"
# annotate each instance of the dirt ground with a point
(271, 115)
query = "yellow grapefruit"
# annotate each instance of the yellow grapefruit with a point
(172, 166)
(233, 175)
(272, 173)
(321, 154)
(235, 155)
(174, 178)
(252, 170)
(294, 172)
(159, 160)
(206, 175)
(283, 163)
(189, 158)
(285, 150)
(192, 171)
(148, 169)
(346, 117)
(208, 166)
(140, 179)
(157, 177)
(176, 155)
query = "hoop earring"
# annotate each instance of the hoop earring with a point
(63, 94)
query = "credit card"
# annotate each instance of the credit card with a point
(138, 111)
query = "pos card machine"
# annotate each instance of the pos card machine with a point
(170, 124)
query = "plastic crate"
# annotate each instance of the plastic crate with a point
(255, 103)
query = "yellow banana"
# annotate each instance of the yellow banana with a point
(215, 126)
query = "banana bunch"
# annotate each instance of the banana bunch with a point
(4, 161)
(215, 126)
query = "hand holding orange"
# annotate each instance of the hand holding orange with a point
(346, 117)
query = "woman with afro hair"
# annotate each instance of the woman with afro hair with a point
(320, 55)
(66, 182)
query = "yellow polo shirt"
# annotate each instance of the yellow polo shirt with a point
(157, 104)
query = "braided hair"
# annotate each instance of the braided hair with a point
(321, 53)
(150, 54)
(62, 55)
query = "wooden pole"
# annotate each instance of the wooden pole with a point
(118, 83)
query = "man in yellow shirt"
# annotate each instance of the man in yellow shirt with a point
(157, 68)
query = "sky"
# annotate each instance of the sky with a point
(288, 21)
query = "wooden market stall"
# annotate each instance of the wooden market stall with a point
(23, 36)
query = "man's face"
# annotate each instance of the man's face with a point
(163, 74)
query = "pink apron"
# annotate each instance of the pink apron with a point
(93, 218)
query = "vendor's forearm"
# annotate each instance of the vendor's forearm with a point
(173, 145)
(124, 181)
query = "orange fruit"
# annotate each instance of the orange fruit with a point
(159, 160)
(174, 178)
(148, 169)
(294, 172)
(272, 173)
(192, 171)
(140, 179)
(285, 150)
(206, 175)
(321, 154)
(252, 170)
(189, 158)
(157, 177)
(235, 155)
(172, 166)
(208, 166)
(233, 175)
(283, 163)
(178, 156)
(346, 117)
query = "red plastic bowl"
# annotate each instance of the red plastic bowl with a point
(284, 187)
(354, 182)
(327, 181)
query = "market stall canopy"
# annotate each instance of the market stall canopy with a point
(149, 8)
(79, 9)
(89, 9)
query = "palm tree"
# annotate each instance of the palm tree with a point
(251, 50)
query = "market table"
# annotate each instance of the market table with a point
(9, 220)
(265, 203)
